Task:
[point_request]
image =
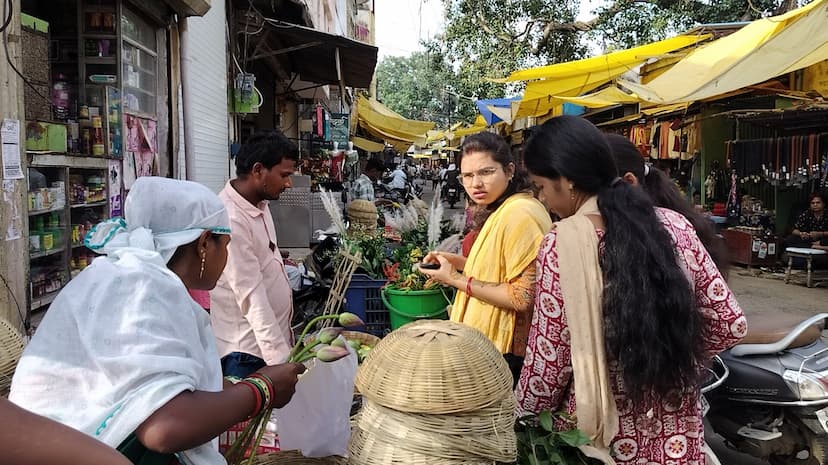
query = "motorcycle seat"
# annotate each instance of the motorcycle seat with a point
(770, 328)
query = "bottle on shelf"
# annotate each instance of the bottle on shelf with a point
(61, 98)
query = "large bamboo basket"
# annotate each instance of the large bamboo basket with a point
(293, 457)
(404, 434)
(11, 347)
(435, 367)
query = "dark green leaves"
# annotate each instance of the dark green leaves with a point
(540, 442)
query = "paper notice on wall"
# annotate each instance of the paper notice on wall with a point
(10, 135)
(13, 230)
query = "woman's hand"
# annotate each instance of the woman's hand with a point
(446, 274)
(284, 377)
(457, 261)
(805, 235)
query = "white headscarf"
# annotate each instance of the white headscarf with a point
(161, 215)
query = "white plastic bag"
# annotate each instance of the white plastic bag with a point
(317, 420)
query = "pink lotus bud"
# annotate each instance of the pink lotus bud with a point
(349, 320)
(327, 335)
(331, 353)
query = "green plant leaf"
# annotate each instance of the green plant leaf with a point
(546, 422)
(573, 437)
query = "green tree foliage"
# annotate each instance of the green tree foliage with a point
(423, 86)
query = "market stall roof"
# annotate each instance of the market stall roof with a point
(489, 109)
(762, 50)
(606, 97)
(190, 7)
(367, 145)
(657, 111)
(801, 117)
(320, 57)
(574, 78)
(380, 121)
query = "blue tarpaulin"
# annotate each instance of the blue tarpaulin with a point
(483, 108)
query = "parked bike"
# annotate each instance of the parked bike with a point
(774, 403)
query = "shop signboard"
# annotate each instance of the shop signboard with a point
(340, 129)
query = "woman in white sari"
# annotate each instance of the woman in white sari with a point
(125, 355)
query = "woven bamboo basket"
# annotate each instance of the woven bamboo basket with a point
(293, 457)
(364, 338)
(368, 449)
(11, 347)
(410, 434)
(435, 367)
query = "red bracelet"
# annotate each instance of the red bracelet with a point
(256, 394)
(468, 286)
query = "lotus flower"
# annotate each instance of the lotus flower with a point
(349, 320)
(328, 335)
(339, 342)
(331, 353)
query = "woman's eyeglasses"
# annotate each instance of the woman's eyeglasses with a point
(485, 175)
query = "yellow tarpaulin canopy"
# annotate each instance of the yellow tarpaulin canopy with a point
(627, 59)
(382, 122)
(603, 98)
(368, 145)
(762, 50)
(574, 78)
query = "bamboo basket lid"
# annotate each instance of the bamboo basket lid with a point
(402, 433)
(11, 347)
(435, 367)
(294, 457)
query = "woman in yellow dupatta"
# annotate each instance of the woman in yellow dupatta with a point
(496, 283)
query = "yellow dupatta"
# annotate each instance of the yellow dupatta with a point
(507, 244)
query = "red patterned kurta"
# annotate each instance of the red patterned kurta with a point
(671, 433)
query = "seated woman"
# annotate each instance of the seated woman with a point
(497, 284)
(126, 356)
(629, 307)
(811, 228)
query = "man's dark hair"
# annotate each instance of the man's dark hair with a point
(267, 148)
(374, 164)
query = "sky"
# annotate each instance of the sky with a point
(401, 24)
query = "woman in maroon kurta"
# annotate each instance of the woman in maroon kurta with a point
(665, 306)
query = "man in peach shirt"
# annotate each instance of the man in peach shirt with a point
(251, 305)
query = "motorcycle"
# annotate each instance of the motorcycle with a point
(774, 403)
(452, 190)
(309, 300)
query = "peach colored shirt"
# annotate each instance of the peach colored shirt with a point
(251, 306)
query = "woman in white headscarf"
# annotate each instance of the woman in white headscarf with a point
(125, 355)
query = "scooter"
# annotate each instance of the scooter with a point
(774, 403)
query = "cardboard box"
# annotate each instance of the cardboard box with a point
(45, 137)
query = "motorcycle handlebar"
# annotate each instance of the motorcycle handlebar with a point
(719, 379)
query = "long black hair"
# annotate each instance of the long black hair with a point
(499, 150)
(652, 325)
(664, 193)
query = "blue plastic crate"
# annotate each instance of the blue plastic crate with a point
(363, 299)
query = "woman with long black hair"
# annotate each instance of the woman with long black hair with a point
(629, 306)
(663, 192)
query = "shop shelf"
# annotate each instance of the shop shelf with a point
(44, 300)
(89, 205)
(46, 253)
(44, 211)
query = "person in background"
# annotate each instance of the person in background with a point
(664, 193)
(496, 283)
(629, 306)
(363, 188)
(125, 355)
(29, 439)
(437, 176)
(251, 307)
(398, 178)
(811, 228)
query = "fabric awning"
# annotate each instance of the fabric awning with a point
(602, 98)
(486, 107)
(760, 51)
(320, 57)
(382, 122)
(574, 78)
(367, 145)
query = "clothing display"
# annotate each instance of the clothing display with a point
(670, 432)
